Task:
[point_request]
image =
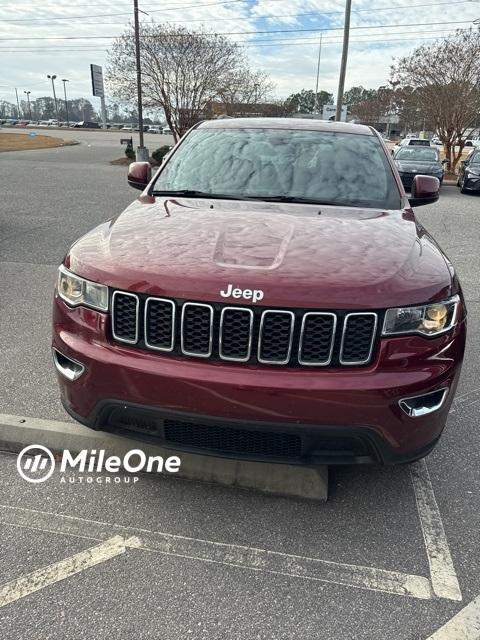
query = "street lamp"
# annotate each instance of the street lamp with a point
(27, 93)
(64, 80)
(52, 78)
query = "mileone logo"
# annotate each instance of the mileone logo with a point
(37, 463)
(255, 295)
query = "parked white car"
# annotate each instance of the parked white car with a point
(412, 142)
(154, 130)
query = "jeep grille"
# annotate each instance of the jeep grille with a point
(254, 335)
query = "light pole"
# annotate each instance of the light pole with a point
(18, 104)
(52, 78)
(142, 153)
(318, 72)
(64, 80)
(27, 93)
(343, 66)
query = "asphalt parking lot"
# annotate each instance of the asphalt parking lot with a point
(394, 554)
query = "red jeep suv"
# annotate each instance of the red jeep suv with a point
(269, 296)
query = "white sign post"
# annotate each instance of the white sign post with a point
(330, 110)
(98, 89)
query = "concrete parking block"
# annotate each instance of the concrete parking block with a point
(17, 432)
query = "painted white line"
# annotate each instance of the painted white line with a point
(464, 626)
(227, 554)
(41, 578)
(442, 573)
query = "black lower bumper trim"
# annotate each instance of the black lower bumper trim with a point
(247, 440)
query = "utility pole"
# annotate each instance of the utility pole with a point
(317, 108)
(52, 78)
(343, 66)
(142, 153)
(64, 80)
(18, 104)
(27, 93)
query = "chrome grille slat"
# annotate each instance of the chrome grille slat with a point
(364, 342)
(281, 329)
(198, 325)
(245, 334)
(305, 338)
(120, 319)
(223, 346)
(169, 332)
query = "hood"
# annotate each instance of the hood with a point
(298, 255)
(419, 167)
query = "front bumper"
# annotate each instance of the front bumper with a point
(268, 413)
(472, 183)
(407, 179)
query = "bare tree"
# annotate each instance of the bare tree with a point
(445, 82)
(182, 71)
(244, 86)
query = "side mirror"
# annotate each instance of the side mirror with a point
(425, 190)
(139, 175)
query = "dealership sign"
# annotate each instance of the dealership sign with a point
(330, 110)
(97, 80)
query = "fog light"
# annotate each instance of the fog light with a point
(417, 406)
(70, 369)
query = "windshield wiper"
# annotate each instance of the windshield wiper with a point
(300, 200)
(192, 193)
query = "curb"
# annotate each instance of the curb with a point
(17, 432)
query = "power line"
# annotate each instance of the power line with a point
(251, 16)
(238, 33)
(259, 42)
(109, 15)
(269, 44)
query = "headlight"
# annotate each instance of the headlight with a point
(429, 320)
(78, 291)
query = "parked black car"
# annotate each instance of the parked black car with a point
(469, 173)
(414, 160)
(84, 124)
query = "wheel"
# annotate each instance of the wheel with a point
(462, 186)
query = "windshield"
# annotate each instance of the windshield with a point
(326, 167)
(475, 159)
(418, 154)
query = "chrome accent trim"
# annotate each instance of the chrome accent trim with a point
(372, 342)
(456, 301)
(332, 339)
(260, 333)
(192, 353)
(145, 315)
(137, 304)
(69, 373)
(422, 411)
(229, 358)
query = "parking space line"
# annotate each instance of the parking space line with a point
(464, 626)
(227, 554)
(41, 578)
(442, 573)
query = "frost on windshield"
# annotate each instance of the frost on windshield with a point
(324, 166)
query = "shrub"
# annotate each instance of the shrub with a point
(160, 153)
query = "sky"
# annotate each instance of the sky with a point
(281, 37)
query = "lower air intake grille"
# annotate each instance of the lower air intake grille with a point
(233, 441)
